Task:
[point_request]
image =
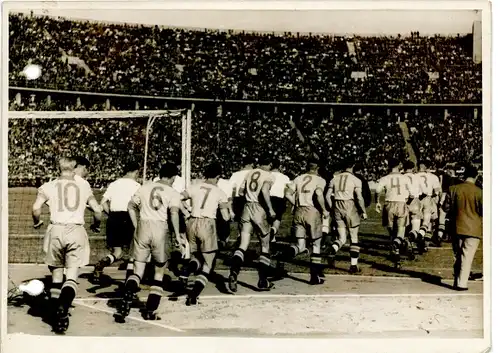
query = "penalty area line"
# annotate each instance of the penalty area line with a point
(154, 323)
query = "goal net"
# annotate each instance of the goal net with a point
(108, 139)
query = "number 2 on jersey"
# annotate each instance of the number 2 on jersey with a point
(307, 180)
(155, 200)
(63, 197)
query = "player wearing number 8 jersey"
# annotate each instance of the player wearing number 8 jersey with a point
(256, 189)
(306, 194)
(398, 195)
(206, 199)
(348, 204)
(67, 245)
(155, 201)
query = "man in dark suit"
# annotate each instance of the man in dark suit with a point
(465, 209)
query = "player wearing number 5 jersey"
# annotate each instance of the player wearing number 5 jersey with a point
(206, 199)
(306, 194)
(256, 190)
(66, 243)
(155, 202)
(398, 195)
(431, 196)
(348, 205)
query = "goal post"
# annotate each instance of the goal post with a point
(109, 139)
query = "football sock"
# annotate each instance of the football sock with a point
(192, 267)
(154, 297)
(316, 265)
(397, 244)
(68, 293)
(130, 268)
(337, 244)
(132, 284)
(354, 252)
(199, 284)
(237, 261)
(264, 264)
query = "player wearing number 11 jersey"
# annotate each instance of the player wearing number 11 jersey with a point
(399, 193)
(155, 202)
(257, 213)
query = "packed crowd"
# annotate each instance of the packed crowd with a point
(118, 58)
(230, 133)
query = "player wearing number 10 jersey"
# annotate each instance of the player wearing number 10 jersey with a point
(256, 189)
(67, 245)
(155, 201)
(399, 193)
(306, 194)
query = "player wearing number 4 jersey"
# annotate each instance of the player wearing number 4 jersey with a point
(399, 194)
(206, 199)
(155, 201)
(66, 243)
(347, 204)
(306, 194)
(255, 189)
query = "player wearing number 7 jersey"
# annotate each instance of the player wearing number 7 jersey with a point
(67, 244)
(306, 194)
(256, 189)
(155, 202)
(399, 194)
(206, 199)
(348, 204)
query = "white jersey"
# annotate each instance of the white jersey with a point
(179, 185)
(416, 183)
(344, 185)
(280, 183)
(430, 182)
(237, 180)
(155, 199)
(119, 193)
(397, 187)
(67, 199)
(226, 186)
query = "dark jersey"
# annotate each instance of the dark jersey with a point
(367, 194)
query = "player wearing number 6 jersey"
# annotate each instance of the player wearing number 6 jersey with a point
(306, 194)
(155, 201)
(431, 190)
(66, 244)
(398, 195)
(256, 189)
(206, 199)
(347, 204)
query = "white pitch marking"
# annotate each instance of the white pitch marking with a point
(302, 296)
(128, 317)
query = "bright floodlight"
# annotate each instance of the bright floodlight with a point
(32, 71)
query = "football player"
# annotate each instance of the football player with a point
(206, 199)
(345, 197)
(398, 195)
(255, 189)
(67, 247)
(155, 202)
(281, 183)
(306, 193)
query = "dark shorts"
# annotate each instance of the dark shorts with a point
(119, 230)
(279, 206)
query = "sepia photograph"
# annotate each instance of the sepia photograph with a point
(313, 174)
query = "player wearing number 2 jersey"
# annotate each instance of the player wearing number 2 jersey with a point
(398, 195)
(348, 204)
(255, 189)
(206, 199)
(306, 193)
(155, 201)
(67, 245)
